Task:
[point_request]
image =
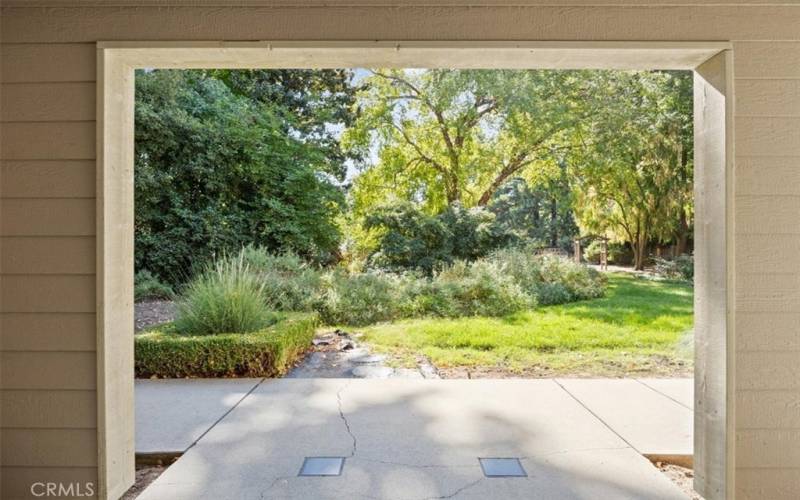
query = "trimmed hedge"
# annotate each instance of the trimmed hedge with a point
(269, 352)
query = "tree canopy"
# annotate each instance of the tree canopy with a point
(633, 182)
(216, 169)
(419, 167)
(438, 137)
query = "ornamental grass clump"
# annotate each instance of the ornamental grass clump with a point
(290, 283)
(227, 297)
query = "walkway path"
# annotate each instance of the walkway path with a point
(339, 354)
(406, 439)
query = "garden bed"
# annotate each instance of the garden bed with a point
(269, 352)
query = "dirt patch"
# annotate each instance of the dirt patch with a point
(145, 474)
(152, 312)
(681, 476)
(655, 366)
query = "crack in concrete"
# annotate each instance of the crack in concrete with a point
(458, 491)
(274, 483)
(345, 421)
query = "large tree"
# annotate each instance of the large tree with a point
(314, 104)
(215, 170)
(633, 180)
(443, 136)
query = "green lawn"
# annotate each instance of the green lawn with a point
(640, 327)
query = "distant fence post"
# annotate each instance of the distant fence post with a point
(604, 255)
(577, 250)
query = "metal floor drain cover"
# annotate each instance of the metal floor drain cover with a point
(322, 466)
(502, 467)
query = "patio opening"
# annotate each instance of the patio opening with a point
(393, 273)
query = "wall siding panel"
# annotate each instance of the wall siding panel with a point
(63, 102)
(47, 294)
(48, 409)
(41, 63)
(56, 25)
(47, 217)
(768, 331)
(768, 175)
(768, 448)
(768, 409)
(768, 60)
(48, 370)
(20, 488)
(48, 332)
(47, 179)
(48, 141)
(768, 98)
(53, 447)
(48, 255)
(751, 214)
(767, 136)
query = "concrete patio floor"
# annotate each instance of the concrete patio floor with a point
(407, 439)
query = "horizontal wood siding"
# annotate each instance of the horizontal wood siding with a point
(32, 102)
(49, 409)
(48, 140)
(48, 255)
(48, 331)
(47, 179)
(767, 175)
(549, 22)
(51, 370)
(47, 265)
(47, 217)
(51, 447)
(48, 63)
(25, 476)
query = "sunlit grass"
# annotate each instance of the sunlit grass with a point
(639, 326)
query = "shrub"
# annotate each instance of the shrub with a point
(549, 294)
(359, 299)
(414, 240)
(268, 352)
(423, 296)
(550, 278)
(146, 286)
(290, 283)
(482, 288)
(228, 297)
(680, 268)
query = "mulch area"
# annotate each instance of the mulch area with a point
(145, 474)
(152, 312)
(681, 476)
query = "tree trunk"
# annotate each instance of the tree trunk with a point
(639, 248)
(683, 235)
(553, 222)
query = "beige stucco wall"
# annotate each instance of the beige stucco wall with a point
(48, 404)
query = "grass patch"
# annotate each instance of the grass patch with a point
(268, 352)
(640, 326)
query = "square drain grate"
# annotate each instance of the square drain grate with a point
(502, 467)
(322, 466)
